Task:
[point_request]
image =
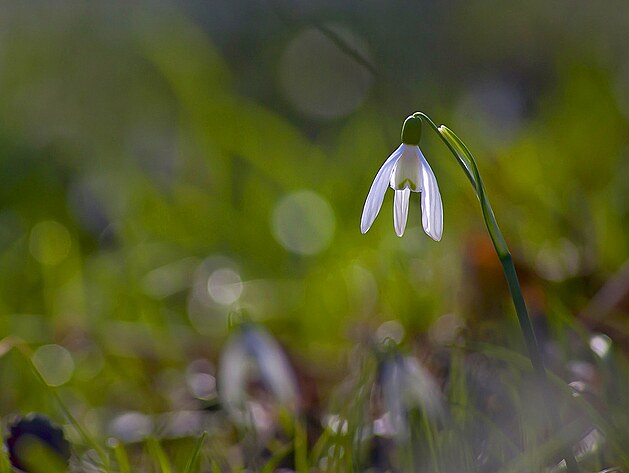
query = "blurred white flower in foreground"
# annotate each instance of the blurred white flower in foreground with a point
(255, 379)
(406, 170)
(405, 385)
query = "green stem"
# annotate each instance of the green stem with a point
(462, 162)
(466, 160)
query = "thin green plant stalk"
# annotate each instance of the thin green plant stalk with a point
(156, 451)
(301, 446)
(5, 465)
(429, 431)
(121, 456)
(193, 459)
(467, 162)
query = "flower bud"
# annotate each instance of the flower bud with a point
(412, 130)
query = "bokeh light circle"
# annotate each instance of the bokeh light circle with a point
(216, 287)
(54, 363)
(224, 286)
(303, 222)
(320, 79)
(600, 344)
(50, 242)
(131, 426)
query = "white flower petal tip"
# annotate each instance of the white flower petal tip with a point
(400, 210)
(432, 206)
(405, 171)
(364, 228)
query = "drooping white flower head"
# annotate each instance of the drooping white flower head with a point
(253, 357)
(406, 170)
(405, 385)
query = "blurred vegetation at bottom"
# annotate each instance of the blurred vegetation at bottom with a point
(183, 256)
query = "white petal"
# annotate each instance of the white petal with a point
(377, 190)
(274, 368)
(394, 398)
(432, 208)
(400, 210)
(232, 379)
(407, 171)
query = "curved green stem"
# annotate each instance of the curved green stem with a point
(462, 162)
(466, 160)
(488, 214)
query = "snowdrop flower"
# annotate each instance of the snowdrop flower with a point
(253, 359)
(406, 170)
(405, 385)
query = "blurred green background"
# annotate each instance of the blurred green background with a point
(166, 164)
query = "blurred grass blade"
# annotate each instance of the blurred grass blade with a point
(121, 457)
(5, 466)
(301, 447)
(278, 455)
(522, 362)
(157, 453)
(319, 446)
(547, 452)
(192, 461)
(39, 457)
